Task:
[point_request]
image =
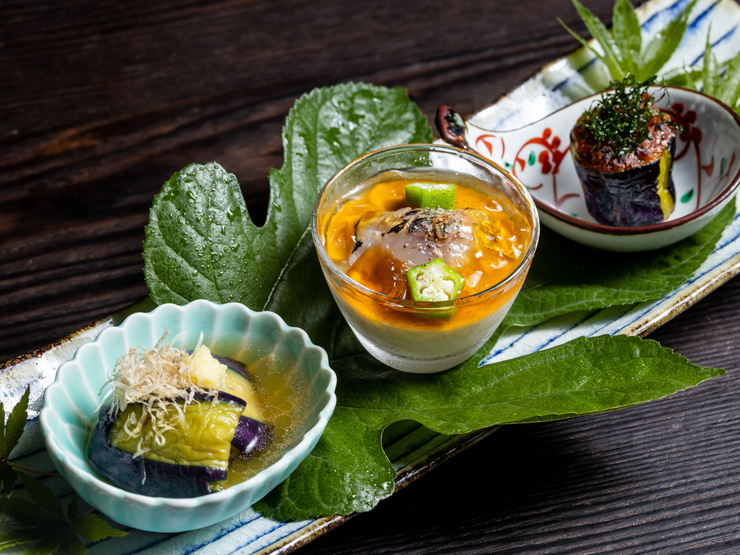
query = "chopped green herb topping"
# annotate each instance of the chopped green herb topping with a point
(621, 118)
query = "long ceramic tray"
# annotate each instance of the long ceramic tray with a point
(413, 449)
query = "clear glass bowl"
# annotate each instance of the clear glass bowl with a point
(422, 337)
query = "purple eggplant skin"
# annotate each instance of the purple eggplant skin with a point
(147, 477)
(628, 198)
(251, 436)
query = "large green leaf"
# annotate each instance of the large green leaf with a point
(348, 470)
(200, 242)
(567, 277)
(621, 48)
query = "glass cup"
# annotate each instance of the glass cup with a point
(412, 336)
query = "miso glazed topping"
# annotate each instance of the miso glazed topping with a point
(426, 242)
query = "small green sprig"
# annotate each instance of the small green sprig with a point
(621, 118)
(622, 50)
(719, 80)
(41, 525)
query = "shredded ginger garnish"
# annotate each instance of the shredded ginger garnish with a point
(159, 379)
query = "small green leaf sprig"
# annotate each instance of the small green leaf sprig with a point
(621, 118)
(42, 525)
(719, 80)
(622, 50)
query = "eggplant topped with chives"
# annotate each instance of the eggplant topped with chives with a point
(623, 150)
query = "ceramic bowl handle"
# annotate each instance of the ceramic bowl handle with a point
(451, 127)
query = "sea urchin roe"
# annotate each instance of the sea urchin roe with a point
(375, 237)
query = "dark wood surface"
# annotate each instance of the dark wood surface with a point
(100, 102)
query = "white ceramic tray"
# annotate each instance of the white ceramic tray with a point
(415, 450)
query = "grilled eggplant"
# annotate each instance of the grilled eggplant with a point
(193, 455)
(181, 445)
(640, 195)
(623, 152)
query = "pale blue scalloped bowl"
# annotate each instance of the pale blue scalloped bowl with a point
(301, 371)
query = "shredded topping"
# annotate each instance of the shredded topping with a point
(162, 380)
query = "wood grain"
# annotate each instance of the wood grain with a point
(101, 102)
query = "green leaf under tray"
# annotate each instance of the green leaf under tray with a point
(200, 241)
(348, 471)
(567, 277)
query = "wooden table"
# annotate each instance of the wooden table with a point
(102, 101)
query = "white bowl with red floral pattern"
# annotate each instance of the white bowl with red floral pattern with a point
(706, 171)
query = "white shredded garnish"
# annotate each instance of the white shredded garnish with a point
(160, 380)
(83, 419)
(140, 451)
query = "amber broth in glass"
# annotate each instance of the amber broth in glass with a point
(501, 239)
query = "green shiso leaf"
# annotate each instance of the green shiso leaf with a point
(567, 277)
(42, 526)
(349, 471)
(610, 54)
(200, 242)
(662, 46)
(10, 434)
(728, 90)
(710, 73)
(89, 526)
(12, 430)
(43, 497)
(720, 80)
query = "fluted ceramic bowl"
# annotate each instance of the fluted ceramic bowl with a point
(283, 360)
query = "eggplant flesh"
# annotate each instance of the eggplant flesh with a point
(632, 197)
(179, 469)
(191, 461)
